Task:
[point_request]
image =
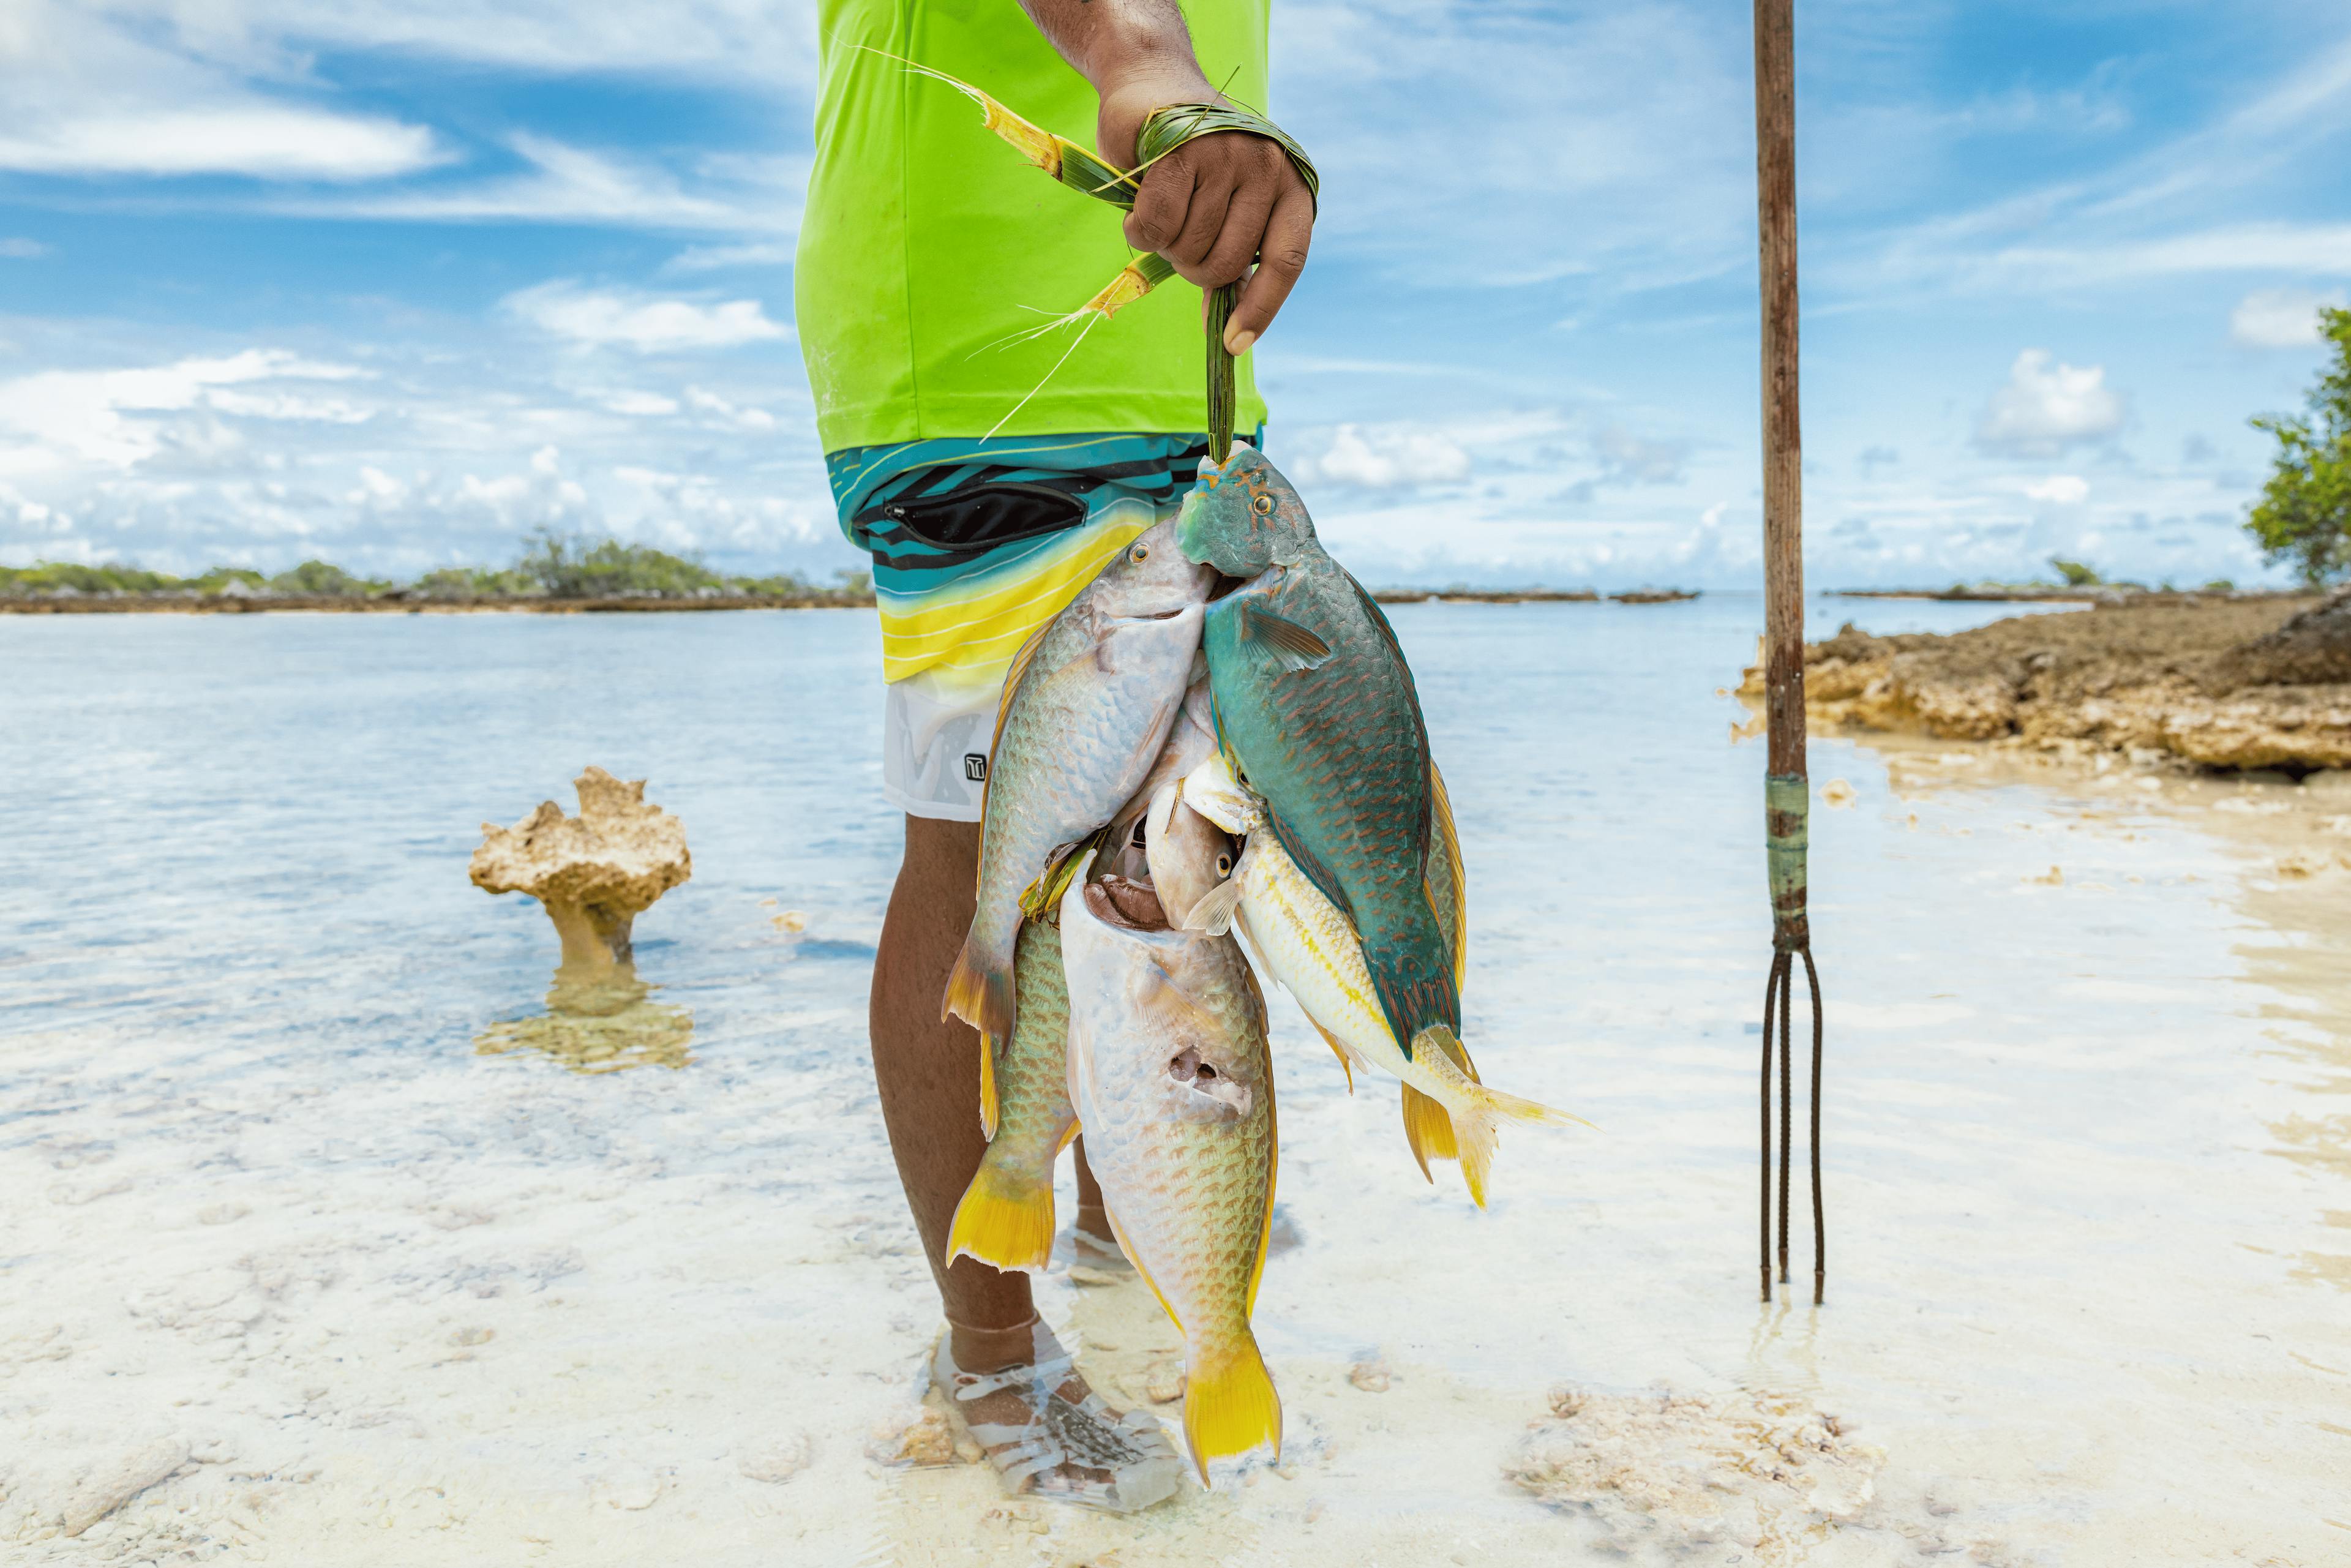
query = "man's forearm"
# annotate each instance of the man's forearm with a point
(1108, 42)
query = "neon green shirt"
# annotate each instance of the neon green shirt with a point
(929, 243)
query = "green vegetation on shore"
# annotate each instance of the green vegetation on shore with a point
(551, 566)
(2305, 512)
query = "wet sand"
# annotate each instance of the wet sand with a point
(373, 1298)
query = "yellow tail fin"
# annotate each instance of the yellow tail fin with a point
(1004, 1221)
(1230, 1405)
(1473, 1133)
(1428, 1128)
(982, 997)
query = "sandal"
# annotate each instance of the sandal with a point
(1068, 1446)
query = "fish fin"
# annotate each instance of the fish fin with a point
(1446, 1041)
(1265, 1227)
(1042, 899)
(1309, 866)
(1346, 1062)
(1448, 886)
(1428, 1128)
(1005, 1220)
(1069, 1136)
(1230, 1405)
(1012, 673)
(1414, 995)
(991, 1107)
(1214, 912)
(1475, 1111)
(1473, 1134)
(981, 997)
(1011, 688)
(1291, 646)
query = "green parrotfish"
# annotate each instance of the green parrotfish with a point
(1313, 700)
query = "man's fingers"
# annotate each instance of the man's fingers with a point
(1161, 205)
(1203, 220)
(1237, 243)
(1281, 257)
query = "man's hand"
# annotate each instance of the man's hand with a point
(1216, 204)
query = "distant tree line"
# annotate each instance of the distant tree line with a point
(551, 566)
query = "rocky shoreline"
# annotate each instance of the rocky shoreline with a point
(2187, 682)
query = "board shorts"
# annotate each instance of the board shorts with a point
(976, 542)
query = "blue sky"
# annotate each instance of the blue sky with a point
(395, 281)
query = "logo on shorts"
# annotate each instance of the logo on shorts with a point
(975, 766)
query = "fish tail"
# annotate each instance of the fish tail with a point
(1428, 1128)
(1230, 1404)
(979, 990)
(1473, 1132)
(1474, 1111)
(1414, 995)
(1006, 1218)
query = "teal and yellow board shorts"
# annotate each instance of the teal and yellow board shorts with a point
(977, 543)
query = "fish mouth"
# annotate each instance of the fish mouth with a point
(1131, 905)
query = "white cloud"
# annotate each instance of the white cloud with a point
(2279, 317)
(266, 141)
(771, 42)
(1625, 457)
(62, 418)
(21, 249)
(640, 404)
(600, 317)
(719, 258)
(1398, 458)
(574, 184)
(2059, 489)
(2047, 408)
(740, 417)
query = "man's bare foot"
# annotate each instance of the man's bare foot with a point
(1050, 1436)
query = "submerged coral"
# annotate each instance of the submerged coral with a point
(598, 1021)
(1684, 1469)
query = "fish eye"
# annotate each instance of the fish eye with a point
(1223, 865)
(1264, 505)
(1139, 554)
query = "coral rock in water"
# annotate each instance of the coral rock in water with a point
(595, 873)
(1760, 1470)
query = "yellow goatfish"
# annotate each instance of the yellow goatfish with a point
(1171, 1077)
(1304, 942)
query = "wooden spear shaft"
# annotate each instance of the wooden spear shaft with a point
(1783, 501)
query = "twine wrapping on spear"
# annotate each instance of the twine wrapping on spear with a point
(1164, 130)
(1787, 791)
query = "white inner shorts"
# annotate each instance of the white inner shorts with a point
(937, 728)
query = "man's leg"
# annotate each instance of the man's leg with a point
(1006, 1368)
(928, 1073)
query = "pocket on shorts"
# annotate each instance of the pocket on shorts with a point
(976, 517)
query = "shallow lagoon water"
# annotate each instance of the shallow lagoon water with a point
(279, 1231)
